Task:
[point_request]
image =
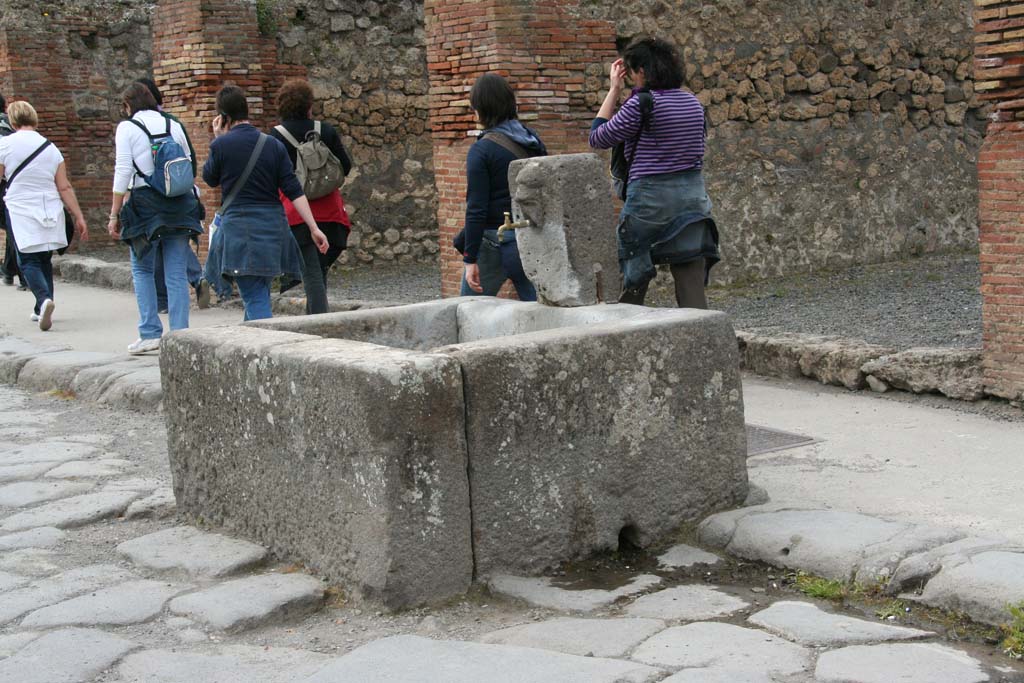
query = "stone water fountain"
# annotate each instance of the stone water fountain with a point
(406, 452)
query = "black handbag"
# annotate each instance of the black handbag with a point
(619, 167)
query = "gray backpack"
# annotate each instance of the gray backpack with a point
(318, 170)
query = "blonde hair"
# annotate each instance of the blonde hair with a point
(22, 114)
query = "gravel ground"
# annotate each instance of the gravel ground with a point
(926, 301)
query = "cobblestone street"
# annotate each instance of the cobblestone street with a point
(100, 582)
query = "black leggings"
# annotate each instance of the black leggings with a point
(689, 282)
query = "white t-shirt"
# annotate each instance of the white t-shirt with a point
(131, 144)
(37, 213)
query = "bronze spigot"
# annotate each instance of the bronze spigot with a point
(509, 225)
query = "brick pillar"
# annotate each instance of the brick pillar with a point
(201, 45)
(999, 77)
(552, 56)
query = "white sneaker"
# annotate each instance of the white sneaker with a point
(34, 317)
(140, 346)
(46, 315)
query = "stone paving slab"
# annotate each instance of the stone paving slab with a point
(57, 588)
(31, 561)
(231, 664)
(685, 603)
(834, 544)
(917, 663)
(723, 675)
(981, 585)
(13, 642)
(807, 624)
(9, 581)
(23, 494)
(126, 603)
(196, 552)
(411, 659)
(107, 467)
(67, 656)
(541, 592)
(28, 471)
(686, 556)
(50, 371)
(47, 452)
(251, 601)
(22, 418)
(584, 637)
(15, 353)
(40, 537)
(158, 505)
(72, 512)
(714, 645)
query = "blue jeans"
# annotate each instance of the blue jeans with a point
(497, 264)
(37, 270)
(255, 293)
(193, 271)
(174, 255)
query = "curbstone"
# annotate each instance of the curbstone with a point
(15, 353)
(956, 373)
(87, 270)
(830, 360)
(57, 371)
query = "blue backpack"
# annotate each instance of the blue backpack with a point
(172, 169)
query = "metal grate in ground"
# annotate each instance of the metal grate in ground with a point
(762, 440)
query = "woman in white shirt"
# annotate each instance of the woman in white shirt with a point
(141, 215)
(36, 191)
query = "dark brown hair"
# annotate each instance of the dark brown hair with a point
(232, 103)
(663, 69)
(493, 100)
(294, 99)
(138, 98)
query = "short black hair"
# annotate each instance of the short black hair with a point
(493, 100)
(153, 90)
(231, 102)
(3, 103)
(663, 69)
(138, 98)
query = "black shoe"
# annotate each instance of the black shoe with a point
(22, 287)
(8, 280)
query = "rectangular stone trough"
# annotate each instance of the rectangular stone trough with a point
(406, 451)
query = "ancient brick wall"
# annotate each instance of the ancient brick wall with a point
(999, 62)
(71, 61)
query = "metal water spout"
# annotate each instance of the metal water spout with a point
(509, 225)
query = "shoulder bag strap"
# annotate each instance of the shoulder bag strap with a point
(508, 143)
(245, 174)
(287, 136)
(645, 101)
(23, 164)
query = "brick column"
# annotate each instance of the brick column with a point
(999, 77)
(201, 45)
(552, 56)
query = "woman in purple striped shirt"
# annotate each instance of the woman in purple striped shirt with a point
(667, 215)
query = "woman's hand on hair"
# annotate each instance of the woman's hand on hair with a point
(617, 77)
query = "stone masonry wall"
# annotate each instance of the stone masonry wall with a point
(840, 133)
(367, 64)
(999, 62)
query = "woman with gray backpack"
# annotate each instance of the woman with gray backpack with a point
(154, 200)
(321, 165)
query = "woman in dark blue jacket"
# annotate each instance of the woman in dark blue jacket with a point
(251, 241)
(503, 140)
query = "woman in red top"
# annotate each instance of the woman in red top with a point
(295, 106)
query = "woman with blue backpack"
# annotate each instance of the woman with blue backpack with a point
(154, 201)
